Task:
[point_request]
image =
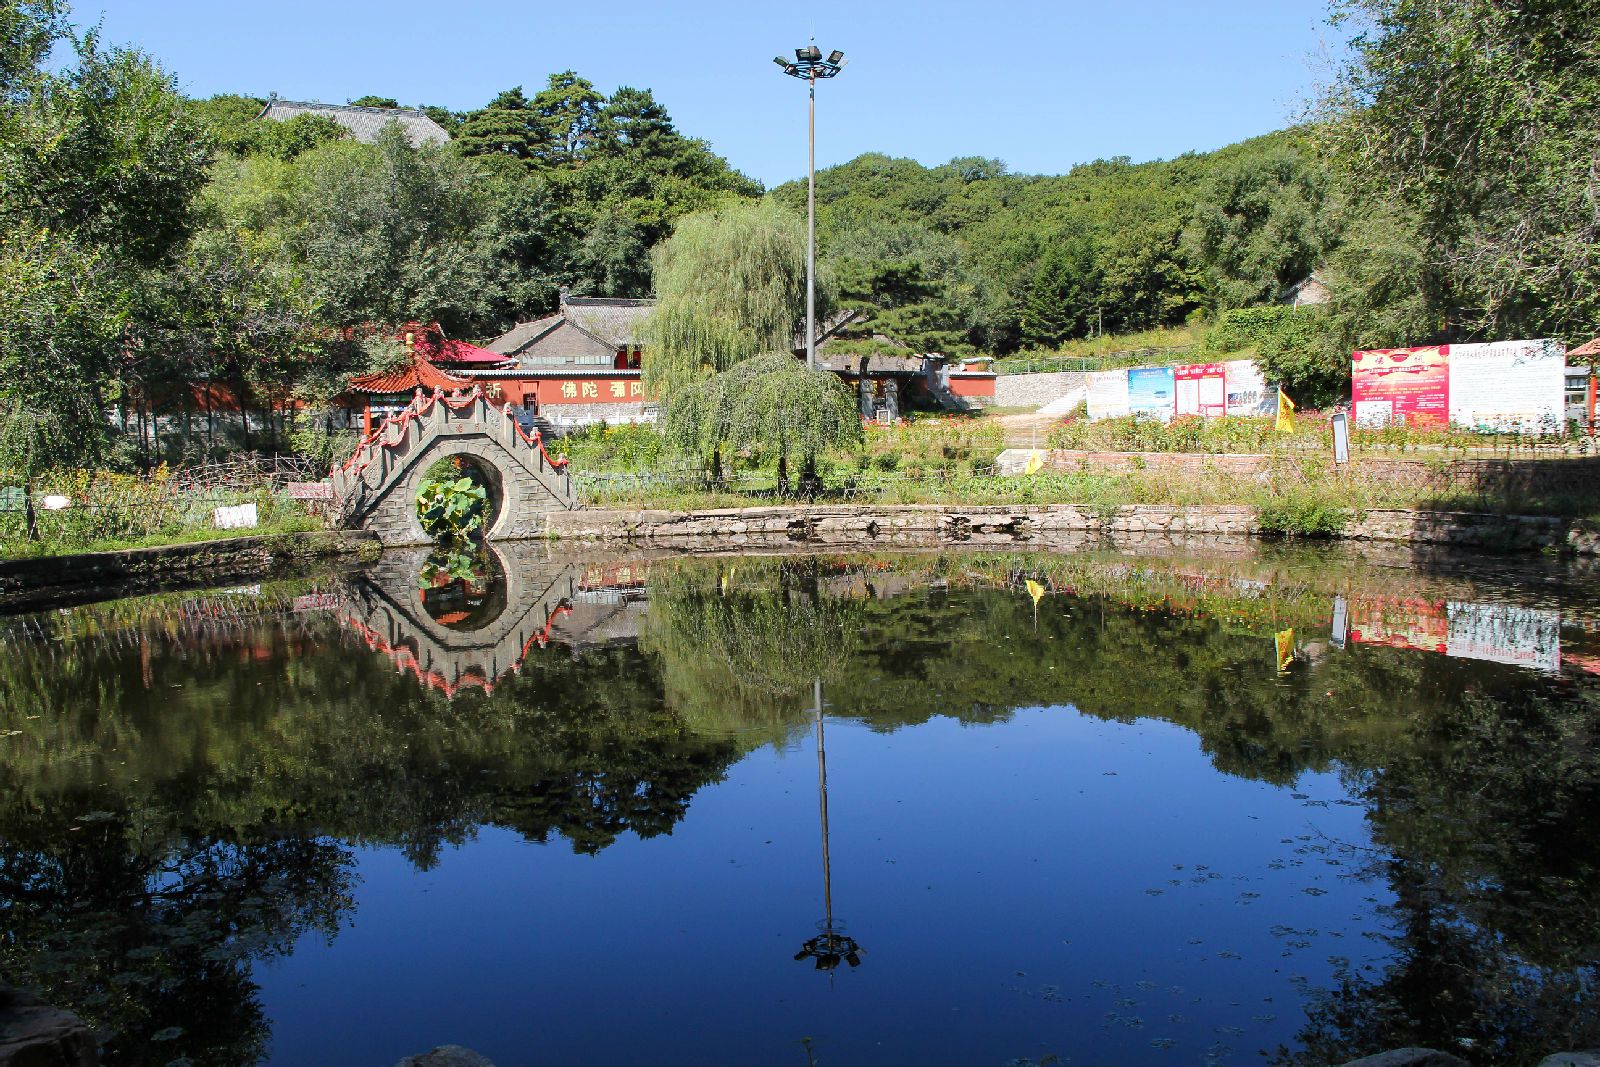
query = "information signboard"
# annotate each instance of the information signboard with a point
(1108, 394)
(1246, 388)
(1151, 392)
(1509, 386)
(1401, 387)
(1202, 390)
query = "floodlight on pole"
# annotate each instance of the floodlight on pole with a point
(808, 66)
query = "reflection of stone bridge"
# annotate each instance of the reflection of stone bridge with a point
(534, 602)
(377, 488)
(386, 607)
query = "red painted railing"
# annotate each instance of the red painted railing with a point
(419, 407)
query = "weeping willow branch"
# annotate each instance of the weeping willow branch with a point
(730, 284)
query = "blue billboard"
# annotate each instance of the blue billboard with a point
(1152, 392)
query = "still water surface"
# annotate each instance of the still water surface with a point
(1103, 807)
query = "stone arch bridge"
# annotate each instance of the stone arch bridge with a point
(377, 488)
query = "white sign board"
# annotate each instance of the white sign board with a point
(242, 517)
(1509, 386)
(1341, 437)
(1247, 389)
(1505, 633)
(1108, 394)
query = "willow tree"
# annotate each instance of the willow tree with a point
(739, 646)
(730, 285)
(771, 401)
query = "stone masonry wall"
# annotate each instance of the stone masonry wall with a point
(1034, 390)
(922, 524)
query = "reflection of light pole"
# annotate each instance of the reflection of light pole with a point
(808, 65)
(832, 945)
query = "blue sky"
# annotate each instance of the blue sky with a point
(1039, 85)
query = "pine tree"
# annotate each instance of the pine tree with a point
(509, 126)
(1062, 299)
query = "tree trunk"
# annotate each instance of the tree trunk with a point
(783, 473)
(716, 466)
(810, 484)
(30, 517)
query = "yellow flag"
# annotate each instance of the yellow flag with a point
(1035, 590)
(1035, 461)
(1285, 412)
(1283, 642)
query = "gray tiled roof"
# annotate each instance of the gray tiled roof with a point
(522, 334)
(876, 364)
(364, 123)
(616, 320)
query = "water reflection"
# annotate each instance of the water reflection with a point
(188, 784)
(463, 586)
(831, 946)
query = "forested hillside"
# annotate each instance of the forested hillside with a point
(1442, 188)
(969, 256)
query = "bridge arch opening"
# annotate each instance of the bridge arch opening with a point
(450, 470)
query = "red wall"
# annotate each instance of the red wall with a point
(590, 389)
(981, 385)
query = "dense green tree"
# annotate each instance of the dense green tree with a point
(294, 136)
(507, 127)
(569, 109)
(28, 30)
(99, 169)
(1479, 122)
(1260, 225)
(1064, 299)
(631, 121)
(230, 120)
(375, 101)
(984, 233)
(771, 403)
(61, 314)
(390, 233)
(104, 151)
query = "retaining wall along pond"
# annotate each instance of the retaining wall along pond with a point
(872, 525)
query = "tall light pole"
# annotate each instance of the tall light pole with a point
(808, 65)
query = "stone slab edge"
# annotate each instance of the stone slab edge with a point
(24, 582)
(920, 523)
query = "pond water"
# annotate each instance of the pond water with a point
(1237, 804)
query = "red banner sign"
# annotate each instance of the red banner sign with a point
(1202, 389)
(1401, 386)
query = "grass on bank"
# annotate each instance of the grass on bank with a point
(111, 511)
(1167, 344)
(951, 461)
(21, 548)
